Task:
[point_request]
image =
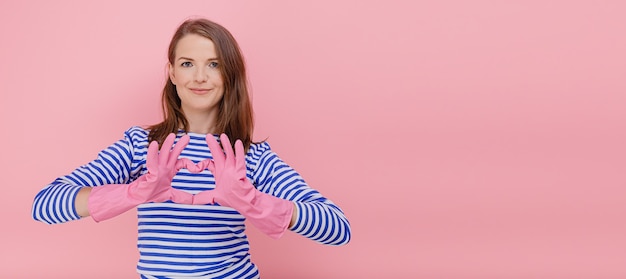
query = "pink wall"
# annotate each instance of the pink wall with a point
(464, 139)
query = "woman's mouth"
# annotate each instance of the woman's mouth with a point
(200, 91)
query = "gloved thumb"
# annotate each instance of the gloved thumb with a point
(181, 197)
(204, 197)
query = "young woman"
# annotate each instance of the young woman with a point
(192, 189)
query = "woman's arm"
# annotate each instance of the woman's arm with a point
(81, 201)
(66, 198)
(314, 216)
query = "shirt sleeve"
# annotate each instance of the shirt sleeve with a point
(318, 217)
(114, 165)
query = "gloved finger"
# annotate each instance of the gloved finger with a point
(177, 150)
(152, 159)
(204, 197)
(181, 197)
(216, 150)
(228, 149)
(206, 164)
(240, 156)
(164, 154)
(184, 163)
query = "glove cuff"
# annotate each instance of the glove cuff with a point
(108, 201)
(270, 214)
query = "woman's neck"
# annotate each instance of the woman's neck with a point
(201, 123)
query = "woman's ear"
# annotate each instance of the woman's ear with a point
(170, 71)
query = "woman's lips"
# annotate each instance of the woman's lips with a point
(200, 91)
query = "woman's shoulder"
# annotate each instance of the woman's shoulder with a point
(259, 149)
(137, 134)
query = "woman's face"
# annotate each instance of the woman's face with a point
(196, 75)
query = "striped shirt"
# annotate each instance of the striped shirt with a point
(194, 241)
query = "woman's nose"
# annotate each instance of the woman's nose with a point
(201, 75)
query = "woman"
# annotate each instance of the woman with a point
(193, 195)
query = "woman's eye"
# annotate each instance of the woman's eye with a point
(186, 64)
(213, 65)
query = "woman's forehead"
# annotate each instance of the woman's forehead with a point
(196, 47)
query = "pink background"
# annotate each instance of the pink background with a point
(463, 139)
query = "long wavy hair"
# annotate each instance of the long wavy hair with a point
(235, 117)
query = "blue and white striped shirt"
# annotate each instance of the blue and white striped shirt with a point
(194, 241)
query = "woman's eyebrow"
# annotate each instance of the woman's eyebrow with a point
(191, 59)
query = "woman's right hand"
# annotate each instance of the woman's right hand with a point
(162, 166)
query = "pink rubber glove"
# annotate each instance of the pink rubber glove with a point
(108, 201)
(267, 213)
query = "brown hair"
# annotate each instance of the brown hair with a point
(235, 117)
